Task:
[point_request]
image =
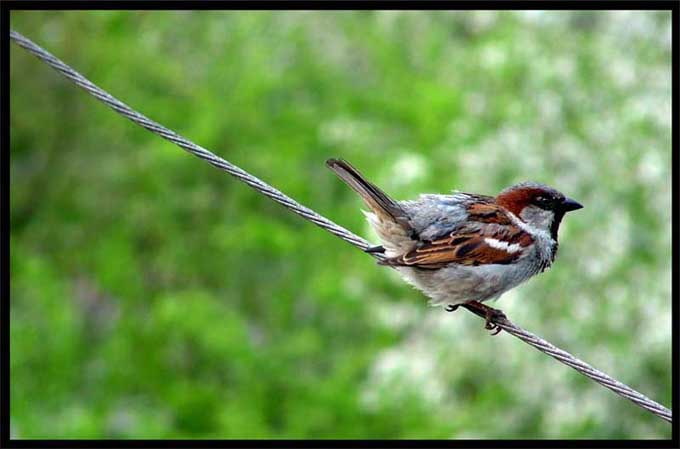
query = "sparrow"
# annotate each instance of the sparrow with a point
(464, 249)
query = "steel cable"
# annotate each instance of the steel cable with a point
(308, 214)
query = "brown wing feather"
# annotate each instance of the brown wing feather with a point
(464, 249)
(485, 212)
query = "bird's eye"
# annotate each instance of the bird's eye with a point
(542, 201)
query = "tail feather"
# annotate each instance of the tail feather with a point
(377, 200)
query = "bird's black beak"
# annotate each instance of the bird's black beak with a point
(568, 205)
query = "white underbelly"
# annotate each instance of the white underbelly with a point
(457, 284)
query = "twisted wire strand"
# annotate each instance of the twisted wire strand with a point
(308, 214)
(187, 145)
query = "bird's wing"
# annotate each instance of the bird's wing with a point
(488, 237)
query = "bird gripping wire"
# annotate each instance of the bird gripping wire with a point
(308, 214)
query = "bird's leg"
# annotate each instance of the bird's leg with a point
(452, 308)
(489, 313)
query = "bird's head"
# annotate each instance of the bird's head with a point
(537, 205)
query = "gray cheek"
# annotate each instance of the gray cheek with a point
(537, 217)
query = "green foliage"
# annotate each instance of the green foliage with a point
(153, 296)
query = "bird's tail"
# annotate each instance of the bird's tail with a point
(377, 200)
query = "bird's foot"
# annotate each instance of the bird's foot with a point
(489, 313)
(452, 308)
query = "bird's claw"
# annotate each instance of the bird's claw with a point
(493, 315)
(489, 313)
(493, 327)
(451, 308)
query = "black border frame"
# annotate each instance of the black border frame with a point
(5, 10)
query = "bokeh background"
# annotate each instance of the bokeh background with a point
(153, 296)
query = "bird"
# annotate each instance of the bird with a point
(463, 249)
